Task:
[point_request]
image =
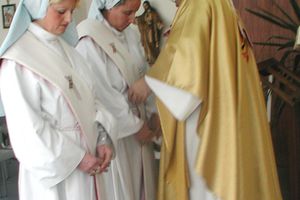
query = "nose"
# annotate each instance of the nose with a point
(68, 16)
(132, 18)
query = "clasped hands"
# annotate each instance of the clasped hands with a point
(138, 93)
(97, 164)
(149, 130)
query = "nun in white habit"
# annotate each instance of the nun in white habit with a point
(57, 131)
(114, 52)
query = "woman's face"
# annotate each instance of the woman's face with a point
(123, 15)
(58, 16)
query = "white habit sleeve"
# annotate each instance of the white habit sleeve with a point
(179, 102)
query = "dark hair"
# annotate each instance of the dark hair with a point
(146, 2)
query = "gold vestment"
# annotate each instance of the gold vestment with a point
(208, 54)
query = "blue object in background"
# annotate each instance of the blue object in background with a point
(2, 114)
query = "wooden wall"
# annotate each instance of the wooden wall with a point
(259, 29)
(285, 128)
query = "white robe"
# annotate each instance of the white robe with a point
(124, 179)
(185, 106)
(44, 132)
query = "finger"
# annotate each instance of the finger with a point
(98, 170)
(142, 99)
(95, 165)
(130, 94)
(101, 157)
(95, 171)
(139, 100)
(132, 98)
(92, 172)
(136, 99)
(106, 162)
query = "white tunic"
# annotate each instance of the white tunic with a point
(44, 133)
(124, 179)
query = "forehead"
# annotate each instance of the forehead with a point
(64, 2)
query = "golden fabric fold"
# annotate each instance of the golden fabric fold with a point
(208, 55)
(172, 159)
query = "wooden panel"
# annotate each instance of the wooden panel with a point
(259, 29)
(286, 127)
(286, 139)
(285, 124)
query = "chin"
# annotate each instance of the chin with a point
(123, 28)
(60, 31)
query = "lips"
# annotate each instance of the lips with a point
(64, 26)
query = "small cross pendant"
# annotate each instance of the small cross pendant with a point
(70, 80)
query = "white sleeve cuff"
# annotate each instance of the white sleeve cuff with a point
(179, 102)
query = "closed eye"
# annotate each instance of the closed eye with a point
(63, 11)
(128, 13)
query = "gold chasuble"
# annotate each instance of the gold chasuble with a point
(208, 55)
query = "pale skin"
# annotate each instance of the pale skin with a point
(56, 20)
(120, 17)
(139, 91)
